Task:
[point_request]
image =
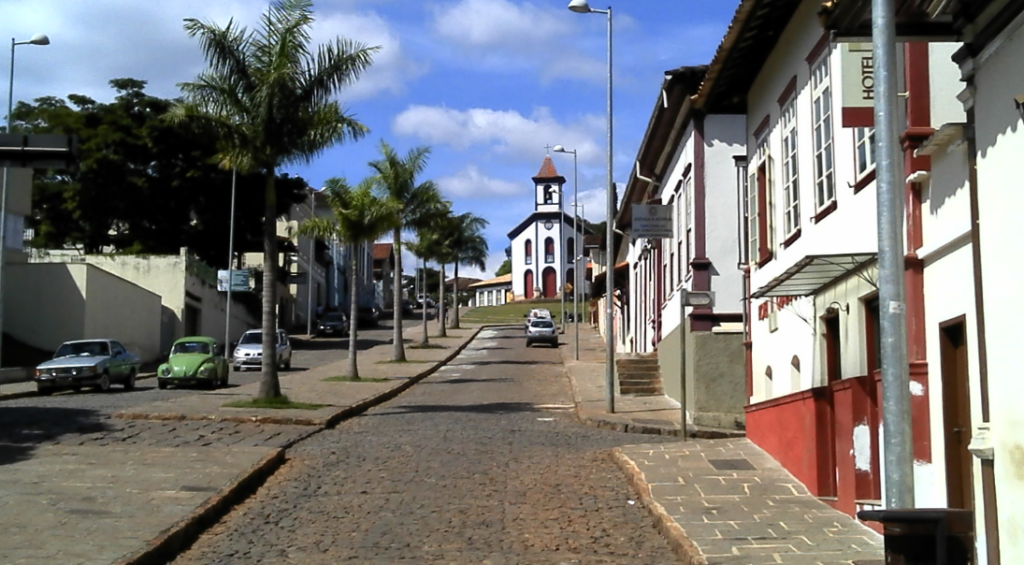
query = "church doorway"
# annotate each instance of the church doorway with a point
(528, 282)
(550, 282)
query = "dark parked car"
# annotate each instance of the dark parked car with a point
(407, 307)
(368, 316)
(333, 323)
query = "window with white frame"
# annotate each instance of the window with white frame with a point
(864, 141)
(669, 249)
(690, 241)
(821, 102)
(790, 176)
(759, 190)
(680, 230)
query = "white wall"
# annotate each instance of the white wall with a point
(724, 136)
(1000, 138)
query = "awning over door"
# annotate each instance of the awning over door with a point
(811, 273)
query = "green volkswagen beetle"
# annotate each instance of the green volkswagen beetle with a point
(195, 360)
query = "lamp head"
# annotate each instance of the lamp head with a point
(580, 6)
(39, 39)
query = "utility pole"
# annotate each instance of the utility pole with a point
(898, 435)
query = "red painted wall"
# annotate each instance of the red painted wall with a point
(790, 429)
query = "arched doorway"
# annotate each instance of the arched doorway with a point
(528, 282)
(550, 282)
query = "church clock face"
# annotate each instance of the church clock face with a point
(548, 224)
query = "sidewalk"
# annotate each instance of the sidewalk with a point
(136, 488)
(718, 501)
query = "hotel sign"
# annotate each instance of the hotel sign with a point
(857, 70)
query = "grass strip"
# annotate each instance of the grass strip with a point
(278, 403)
(340, 379)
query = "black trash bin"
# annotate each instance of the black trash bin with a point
(925, 536)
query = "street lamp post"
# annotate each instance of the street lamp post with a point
(231, 263)
(309, 268)
(575, 249)
(582, 7)
(38, 39)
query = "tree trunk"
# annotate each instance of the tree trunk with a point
(426, 338)
(353, 311)
(441, 317)
(270, 387)
(399, 351)
(455, 293)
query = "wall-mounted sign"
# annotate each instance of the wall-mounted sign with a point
(239, 280)
(652, 221)
(857, 71)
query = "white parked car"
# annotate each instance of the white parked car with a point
(542, 330)
(537, 313)
(249, 351)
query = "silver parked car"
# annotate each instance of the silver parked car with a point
(92, 362)
(249, 351)
(542, 330)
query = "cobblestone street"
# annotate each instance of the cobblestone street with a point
(483, 462)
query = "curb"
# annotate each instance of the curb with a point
(689, 553)
(28, 393)
(183, 533)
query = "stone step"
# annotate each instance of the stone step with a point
(650, 390)
(639, 370)
(636, 362)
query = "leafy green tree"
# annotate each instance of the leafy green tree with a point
(360, 217)
(469, 247)
(397, 177)
(504, 269)
(270, 98)
(141, 184)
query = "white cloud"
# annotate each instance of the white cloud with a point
(500, 34)
(96, 41)
(472, 183)
(505, 132)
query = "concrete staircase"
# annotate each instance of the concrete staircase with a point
(639, 375)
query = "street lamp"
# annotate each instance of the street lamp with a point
(37, 39)
(576, 247)
(582, 7)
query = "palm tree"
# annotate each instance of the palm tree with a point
(397, 177)
(421, 248)
(360, 217)
(271, 97)
(469, 247)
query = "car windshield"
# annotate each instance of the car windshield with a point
(334, 318)
(541, 314)
(542, 324)
(251, 337)
(183, 347)
(84, 348)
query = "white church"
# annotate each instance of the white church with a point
(543, 243)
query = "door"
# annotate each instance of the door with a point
(956, 414)
(528, 281)
(549, 283)
(833, 373)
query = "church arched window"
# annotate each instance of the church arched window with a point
(549, 250)
(570, 250)
(528, 248)
(548, 194)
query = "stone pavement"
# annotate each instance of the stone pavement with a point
(137, 492)
(718, 501)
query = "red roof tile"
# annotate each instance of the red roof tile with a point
(382, 251)
(547, 169)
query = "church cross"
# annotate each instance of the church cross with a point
(547, 148)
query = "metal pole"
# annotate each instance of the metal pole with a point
(3, 200)
(609, 378)
(561, 252)
(309, 269)
(575, 258)
(231, 262)
(898, 449)
(683, 433)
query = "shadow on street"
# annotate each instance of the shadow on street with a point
(24, 428)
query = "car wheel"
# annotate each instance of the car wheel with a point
(288, 364)
(161, 384)
(104, 383)
(76, 388)
(44, 390)
(129, 383)
(224, 379)
(238, 368)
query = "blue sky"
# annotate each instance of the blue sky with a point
(485, 83)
